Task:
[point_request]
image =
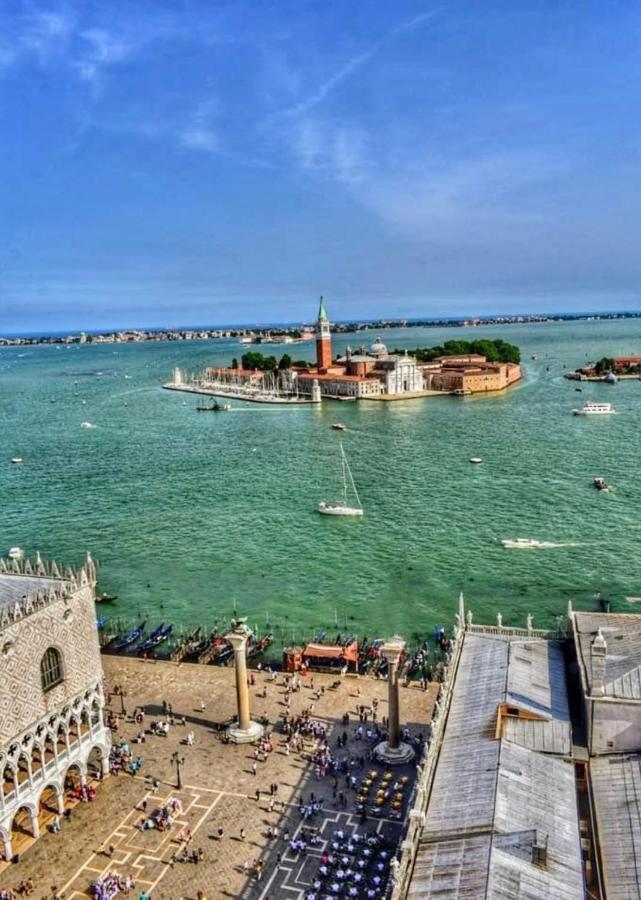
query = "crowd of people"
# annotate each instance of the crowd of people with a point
(122, 759)
(111, 884)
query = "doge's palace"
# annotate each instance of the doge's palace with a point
(53, 739)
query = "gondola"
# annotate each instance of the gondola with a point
(130, 638)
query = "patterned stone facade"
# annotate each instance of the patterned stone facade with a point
(47, 736)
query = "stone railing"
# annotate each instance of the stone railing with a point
(425, 774)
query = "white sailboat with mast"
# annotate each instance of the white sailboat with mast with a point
(342, 507)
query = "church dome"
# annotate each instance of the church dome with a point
(378, 348)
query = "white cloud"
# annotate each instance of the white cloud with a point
(351, 66)
(200, 138)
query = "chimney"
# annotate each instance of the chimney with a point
(598, 653)
(540, 850)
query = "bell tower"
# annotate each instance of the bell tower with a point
(323, 340)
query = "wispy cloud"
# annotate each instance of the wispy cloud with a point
(351, 66)
(199, 133)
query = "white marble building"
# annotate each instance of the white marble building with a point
(52, 731)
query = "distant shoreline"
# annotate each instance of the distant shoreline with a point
(271, 334)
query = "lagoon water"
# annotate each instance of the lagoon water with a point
(193, 515)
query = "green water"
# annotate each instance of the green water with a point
(191, 514)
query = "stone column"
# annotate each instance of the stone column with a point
(243, 731)
(60, 798)
(392, 653)
(35, 824)
(393, 750)
(6, 844)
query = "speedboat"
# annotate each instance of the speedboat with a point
(17, 460)
(86, 425)
(521, 544)
(476, 459)
(338, 426)
(15, 553)
(601, 484)
(595, 409)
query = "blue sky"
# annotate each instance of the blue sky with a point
(198, 161)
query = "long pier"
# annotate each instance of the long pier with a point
(236, 393)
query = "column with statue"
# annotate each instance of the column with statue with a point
(243, 730)
(393, 750)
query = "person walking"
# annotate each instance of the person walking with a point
(243, 834)
(221, 834)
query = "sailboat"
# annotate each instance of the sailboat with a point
(341, 507)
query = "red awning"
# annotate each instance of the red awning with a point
(332, 651)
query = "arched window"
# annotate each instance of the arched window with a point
(51, 669)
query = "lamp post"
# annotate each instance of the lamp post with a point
(179, 761)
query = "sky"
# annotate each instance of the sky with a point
(201, 162)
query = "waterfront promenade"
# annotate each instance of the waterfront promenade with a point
(219, 789)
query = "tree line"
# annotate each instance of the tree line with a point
(496, 350)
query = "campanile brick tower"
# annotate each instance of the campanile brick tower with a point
(323, 340)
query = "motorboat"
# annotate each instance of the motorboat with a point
(611, 378)
(601, 484)
(17, 460)
(476, 459)
(522, 544)
(338, 426)
(106, 598)
(595, 409)
(86, 425)
(213, 407)
(342, 507)
(16, 553)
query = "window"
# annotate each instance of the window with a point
(51, 669)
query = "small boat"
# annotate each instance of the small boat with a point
(156, 637)
(86, 425)
(17, 460)
(338, 426)
(106, 598)
(611, 378)
(522, 544)
(130, 638)
(213, 407)
(476, 459)
(601, 484)
(16, 553)
(580, 390)
(341, 507)
(595, 409)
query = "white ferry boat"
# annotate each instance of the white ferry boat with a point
(595, 409)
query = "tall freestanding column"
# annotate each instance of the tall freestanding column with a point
(243, 731)
(393, 750)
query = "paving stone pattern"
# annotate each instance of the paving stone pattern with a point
(219, 789)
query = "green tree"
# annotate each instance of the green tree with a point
(234, 363)
(253, 360)
(285, 361)
(606, 364)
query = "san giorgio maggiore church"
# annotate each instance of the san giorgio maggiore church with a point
(370, 373)
(54, 743)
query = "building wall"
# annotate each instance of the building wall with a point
(71, 627)
(47, 735)
(404, 378)
(614, 726)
